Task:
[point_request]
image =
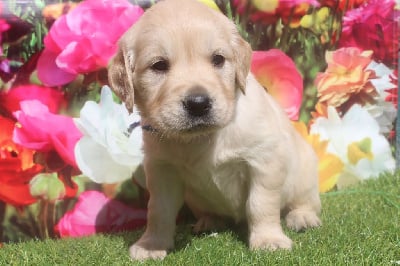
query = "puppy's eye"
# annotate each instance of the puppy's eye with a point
(218, 60)
(161, 65)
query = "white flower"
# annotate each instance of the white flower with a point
(356, 140)
(384, 112)
(111, 148)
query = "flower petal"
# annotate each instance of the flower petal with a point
(96, 163)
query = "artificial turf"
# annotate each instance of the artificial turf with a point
(361, 226)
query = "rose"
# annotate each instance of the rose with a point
(278, 74)
(85, 39)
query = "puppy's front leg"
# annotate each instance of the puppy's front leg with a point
(263, 207)
(166, 198)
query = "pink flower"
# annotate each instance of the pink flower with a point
(278, 74)
(44, 131)
(373, 26)
(50, 97)
(85, 39)
(95, 213)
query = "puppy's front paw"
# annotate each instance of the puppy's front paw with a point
(271, 242)
(299, 219)
(140, 253)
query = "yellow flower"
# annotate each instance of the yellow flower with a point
(210, 3)
(266, 5)
(329, 165)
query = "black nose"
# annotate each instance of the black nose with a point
(197, 104)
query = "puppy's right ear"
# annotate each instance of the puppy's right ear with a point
(120, 76)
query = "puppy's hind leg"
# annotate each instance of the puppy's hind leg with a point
(304, 215)
(166, 198)
(305, 206)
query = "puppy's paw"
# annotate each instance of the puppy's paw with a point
(299, 219)
(271, 242)
(140, 253)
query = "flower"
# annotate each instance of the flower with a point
(44, 131)
(54, 11)
(278, 74)
(16, 168)
(356, 140)
(329, 165)
(373, 26)
(110, 149)
(268, 12)
(95, 213)
(383, 111)
(52, 98)
(346, 79)
(4, 26)
(210, 3)
(84, 39)
(343, 5)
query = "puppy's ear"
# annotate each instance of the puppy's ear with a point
(242, 52)
(120, 74)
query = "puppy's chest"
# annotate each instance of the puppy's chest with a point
(216, 186)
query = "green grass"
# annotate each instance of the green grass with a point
(361, 226)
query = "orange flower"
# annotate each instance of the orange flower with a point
(321, 110)
(16, 168)
(54, 11)
(346, 80)
(329, 165)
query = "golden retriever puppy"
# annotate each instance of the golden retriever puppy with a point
(213, 137)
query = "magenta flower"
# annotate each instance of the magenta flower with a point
(373, 26)
(44, 131)
(279, 75)
(84, 39)
(95, 213)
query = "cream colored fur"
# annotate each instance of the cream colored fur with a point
(245, 162)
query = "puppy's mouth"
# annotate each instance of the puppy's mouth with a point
(199, 128)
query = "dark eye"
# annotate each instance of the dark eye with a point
(218, 60)
(161, 65)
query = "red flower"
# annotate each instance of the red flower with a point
(343, 5)
(84, 39)
(278, 74)
(52, 98)
(393, 93)
(373, 26)
(16, 168)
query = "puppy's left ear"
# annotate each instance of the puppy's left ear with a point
(242, 53)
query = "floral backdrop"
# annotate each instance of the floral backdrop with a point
(70, 158)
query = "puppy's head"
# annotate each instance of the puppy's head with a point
(184, 65)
